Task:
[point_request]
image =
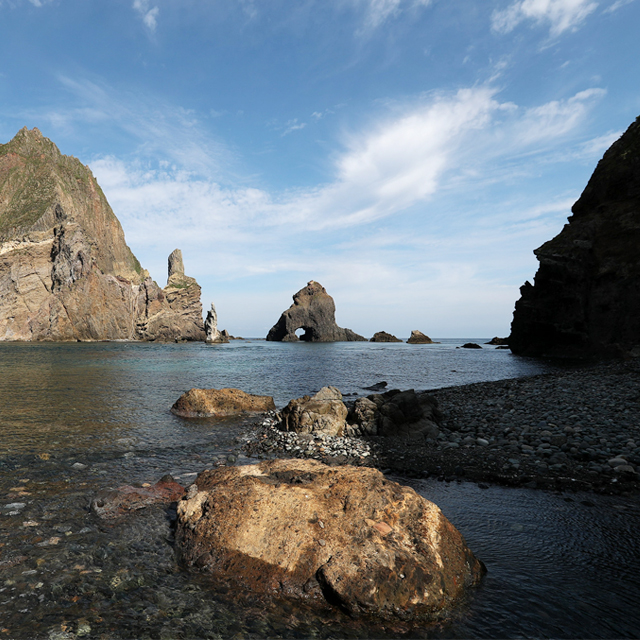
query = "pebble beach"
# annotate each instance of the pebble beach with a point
(574, 429)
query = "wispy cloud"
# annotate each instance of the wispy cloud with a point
(560, 15)
(377, 12)
(293, 125)
(618, 5)
(148, 13)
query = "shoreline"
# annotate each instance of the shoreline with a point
(570, 430)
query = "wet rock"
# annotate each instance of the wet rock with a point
(342, 536)
(111, 505)
(417, 337)
(383, 336)
(203, 403)
(471, 345)
(323, 413)
(378, 386)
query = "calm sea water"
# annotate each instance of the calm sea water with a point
(75, 418)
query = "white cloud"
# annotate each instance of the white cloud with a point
(560, 15)
(618, 5)
(376, 12)
(293, 125)
(149, 14)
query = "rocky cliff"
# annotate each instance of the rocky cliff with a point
(66, 272)
(314, 311)
(585, 300)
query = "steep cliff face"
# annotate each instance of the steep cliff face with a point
(585, 300)
(66, 272)
(314, 311)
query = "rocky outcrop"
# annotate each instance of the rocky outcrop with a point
(417, 337)
(314, 311)
(502, 342)
(324, 413)
(213, 335)
(383, 336)
(66, 272)
(206, 403)
(396, 414)
(585, 300)
(328, 536)
(471, 345)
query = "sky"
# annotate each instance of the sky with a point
(409, 155)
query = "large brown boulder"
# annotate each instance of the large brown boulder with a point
(324, 413)
(314, 311)
(342, 536)
(66, 272)
(218, 403)
(585, 300)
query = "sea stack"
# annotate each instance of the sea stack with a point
(66, 272)
(213, 335)
(314, 311)
(585, 300)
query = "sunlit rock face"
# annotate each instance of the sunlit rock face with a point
(314, 311)
(66, 272)
(585, 300)
(330, 536)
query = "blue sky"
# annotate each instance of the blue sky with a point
(407, 154)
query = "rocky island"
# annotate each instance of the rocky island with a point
(313, 310)
(585, 300)
(66, 272)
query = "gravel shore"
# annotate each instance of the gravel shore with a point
(577, 429)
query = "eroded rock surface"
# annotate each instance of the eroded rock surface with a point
(66, 272)
(417, 337)
(340, 536)
(213, 334)
(323, 413)
(314, 311)
(206, 403)
(585, 300)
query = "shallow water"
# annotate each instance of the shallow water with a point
(76, 418)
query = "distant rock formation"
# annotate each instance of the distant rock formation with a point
(314, 311)
(470, 345)
(66, 272)
(211, 328)
(417, 337)
(383, 336)
(585, 300)
(499, 341)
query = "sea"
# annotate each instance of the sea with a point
(80, 418)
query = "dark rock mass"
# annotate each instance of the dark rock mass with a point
(383, 336)
(314, 311)
(585, 300)
(66, 272)
(417, 337)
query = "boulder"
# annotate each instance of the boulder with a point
(585, 300)
(314, 311)
(324, 413)
(216, 403)
(417, 337)
(66, 272)
(213, 336)
(115, 504)
(327, 536)
(383, 336)
(399, 414)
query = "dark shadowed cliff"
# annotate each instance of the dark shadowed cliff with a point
(585, 300)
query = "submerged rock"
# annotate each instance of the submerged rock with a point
(383, 336)
(329, 536)
(207, 403)
(66, 272)
(314, 311)
(585, 300)
(111, 505)
(417, 337)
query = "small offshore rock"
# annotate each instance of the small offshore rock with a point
(417, 337)
(205, 403)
